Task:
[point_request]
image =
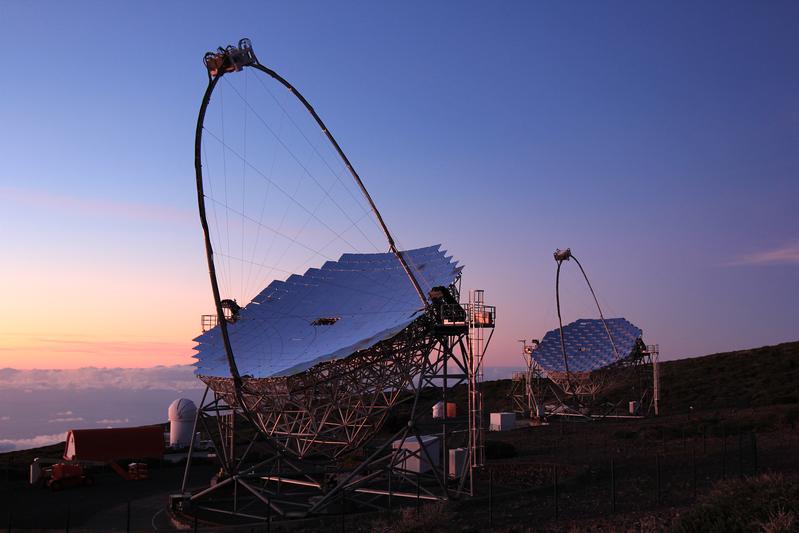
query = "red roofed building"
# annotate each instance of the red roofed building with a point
(108, 445)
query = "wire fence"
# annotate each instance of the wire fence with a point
(669, 472)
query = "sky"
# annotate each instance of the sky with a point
(657, 140)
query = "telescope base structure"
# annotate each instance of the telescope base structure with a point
(347, 435)
(602, 393)
(334, 407)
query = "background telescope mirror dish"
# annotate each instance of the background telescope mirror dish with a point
(588, 347)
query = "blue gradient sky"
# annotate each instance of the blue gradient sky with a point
(659, 140)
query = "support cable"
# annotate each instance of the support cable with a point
(601, 316)
(356, 177)
(313, 147)
(310, 213)
(296, 159)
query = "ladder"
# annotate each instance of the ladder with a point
(476, 321)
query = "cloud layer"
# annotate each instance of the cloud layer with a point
(176, 378)
(10, 445)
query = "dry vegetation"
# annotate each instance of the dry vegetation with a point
(768, 503)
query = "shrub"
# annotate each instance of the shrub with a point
(786, 399)
(780, 522)
(396, 421)
(790, 417)
(408, 520)
(769, 502)
(625, 434)
(499, 450)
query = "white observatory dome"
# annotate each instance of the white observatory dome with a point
(181, 422)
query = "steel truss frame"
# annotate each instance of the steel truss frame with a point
(527, 390)
(316, 443)
(576, 393)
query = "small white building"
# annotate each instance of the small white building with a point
(412, 458)
(438, 410)
(457, 461)
(181, 422)
(502, 422)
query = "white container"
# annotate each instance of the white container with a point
(502, 421)
(438, 410)
(411, 456)
(634, 407)
(35, 473)
(457, 461)
(181, 422)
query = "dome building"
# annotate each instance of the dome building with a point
(182, 413)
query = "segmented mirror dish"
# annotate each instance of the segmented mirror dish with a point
(588, 347)
(325, 314)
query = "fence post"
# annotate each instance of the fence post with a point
(555, 488)
(389, 492)
(754, 452)
(490, 499)
(657, 468)
(704, 440)
(343, 511)
(419, 494)
(693, 468)
(740, 454)
(724, 455)
(612, 486)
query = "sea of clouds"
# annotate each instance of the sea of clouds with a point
(177, 378)
(38, 407)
